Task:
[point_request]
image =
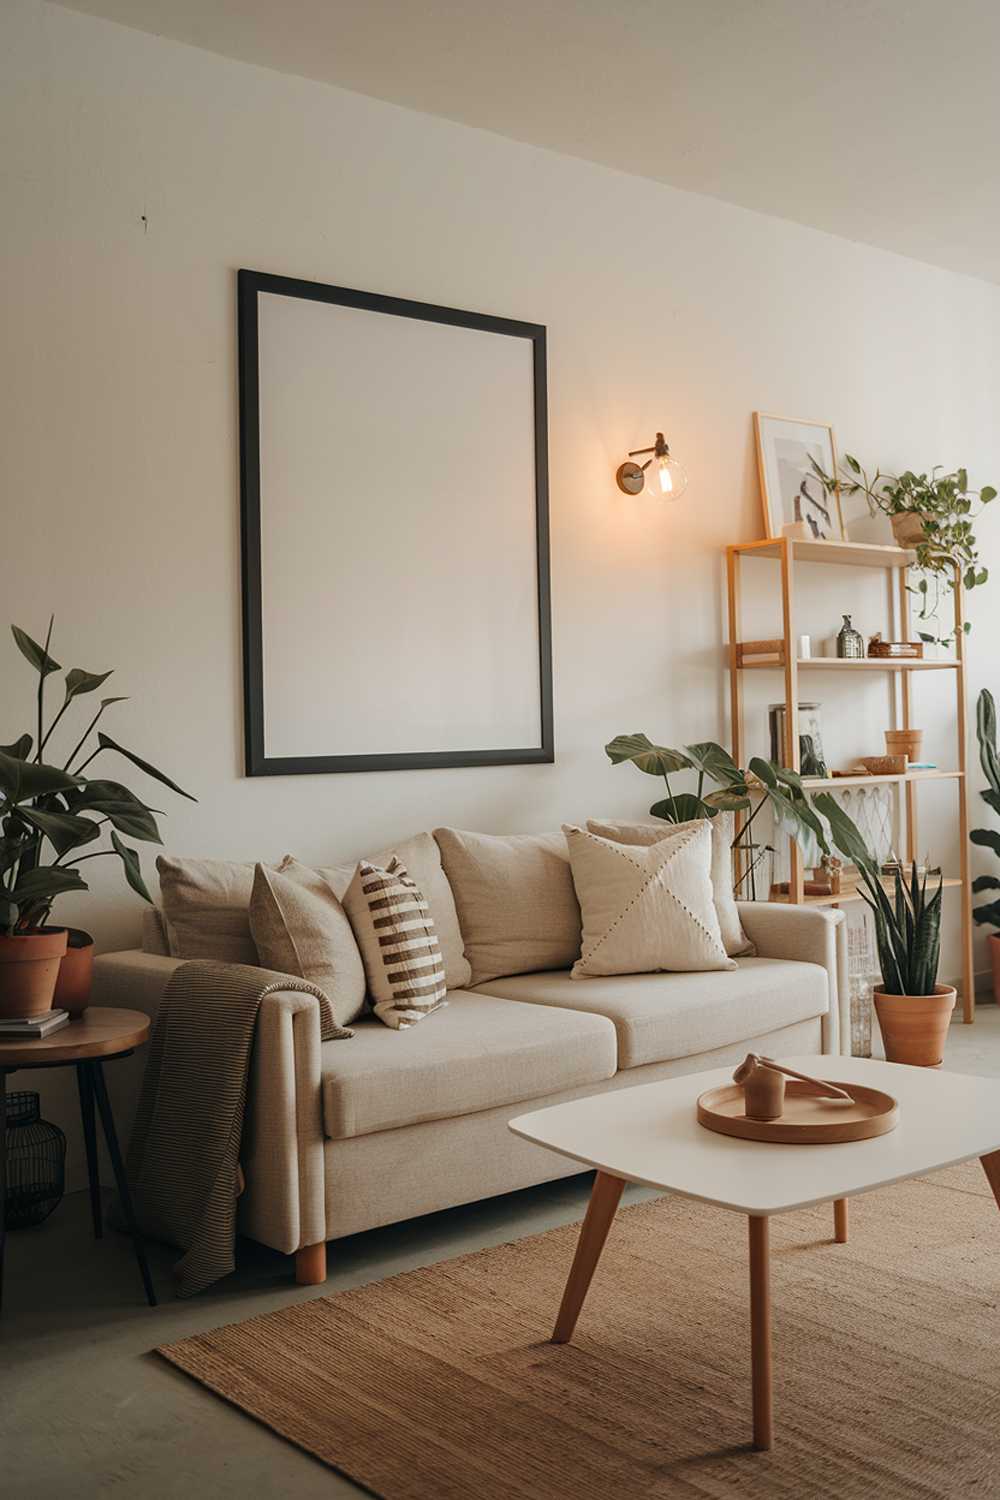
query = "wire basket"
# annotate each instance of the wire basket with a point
(36, 1162)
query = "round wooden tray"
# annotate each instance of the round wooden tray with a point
(807, 1120)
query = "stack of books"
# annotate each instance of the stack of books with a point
(34, 1026)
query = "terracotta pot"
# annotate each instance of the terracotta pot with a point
(904, 742)
(29, 968)
(908, 528)
(994, 946)
(914, 1027)
(76, 973)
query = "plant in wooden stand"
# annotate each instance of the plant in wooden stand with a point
(988, 915)
(914, 1011)
(49, 814)
(932, 513)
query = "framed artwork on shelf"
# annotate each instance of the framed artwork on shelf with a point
(794, 501)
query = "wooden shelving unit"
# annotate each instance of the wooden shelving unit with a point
(894, 561)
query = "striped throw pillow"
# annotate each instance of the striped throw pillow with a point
(399, 944)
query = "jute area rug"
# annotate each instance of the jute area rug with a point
(440, 1383)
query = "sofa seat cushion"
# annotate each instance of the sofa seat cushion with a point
(478, 1052)
(663, 1016)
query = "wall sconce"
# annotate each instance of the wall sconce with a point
(661, 475)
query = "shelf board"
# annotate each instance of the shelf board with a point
(861, 664)
(850, 554)
(850, 892)
(830, 783)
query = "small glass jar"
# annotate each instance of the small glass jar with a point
(850, 642)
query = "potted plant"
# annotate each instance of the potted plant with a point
(763, 784)
(49, 815)
(932, 513)
(989, 913)
(914, 1011)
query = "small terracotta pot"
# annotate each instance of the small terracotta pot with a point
(904, 742)
(994, 947)
(29, 968)
(914, 1027)
(76, 973)
(908, 528)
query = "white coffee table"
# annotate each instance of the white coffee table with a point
(649, 1134)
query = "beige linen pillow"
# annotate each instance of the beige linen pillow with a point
(516, 903)
(299, 927)
(422, 859)
(646, 907)
(736, 941)
(206, 908)
(398, 941)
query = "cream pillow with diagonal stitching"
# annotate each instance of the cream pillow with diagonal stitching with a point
(646, 908)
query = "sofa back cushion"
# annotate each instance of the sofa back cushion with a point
(516, 903)
(422, 859)
(206, 908)
(735, 939)
(299, 927)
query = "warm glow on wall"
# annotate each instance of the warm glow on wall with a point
(661, 475)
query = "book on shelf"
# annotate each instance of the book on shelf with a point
(30, 1027)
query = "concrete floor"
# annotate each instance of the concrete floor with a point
(87, 1410)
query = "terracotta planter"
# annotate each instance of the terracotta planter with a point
(914, 1027)
(994, 946)
(908, 528)
(904, 742)
(76, 972)
(29, 968)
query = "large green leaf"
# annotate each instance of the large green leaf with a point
(844, 832)
(986, 733)
(715, 762)
(683, 808)
(64, 831)
(985, 883)
(991, 798)
(655, 760)
(35, 653)
(20, 749)
(728, 800)
(44, 883)
(122, 807)
(23, 779)
(988, 914)
(107, 743)
(987, 838)
(78, 681)
(764, 771)
(133, 870)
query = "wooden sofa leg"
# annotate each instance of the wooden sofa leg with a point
(310, 1265)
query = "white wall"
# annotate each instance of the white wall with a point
(141, 173)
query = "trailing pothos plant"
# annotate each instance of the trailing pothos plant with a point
(50, 813)
(986, 732)
(908, 927)
(946, 508)
(762, 784)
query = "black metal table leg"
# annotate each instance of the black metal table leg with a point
(87, 1117)
(3, 1173)
(100, 1094)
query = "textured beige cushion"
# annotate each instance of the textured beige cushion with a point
(206, 908)
(479, 1053)
(735, 939)
(422, 859)
(399, 943)
(299, 927)
(646, 908)
(516, 903)
(663, 1016)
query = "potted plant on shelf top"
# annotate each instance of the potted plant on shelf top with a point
(914, 1011)
(989, 913)
(763, 784)
(49, 815)
(932, 513)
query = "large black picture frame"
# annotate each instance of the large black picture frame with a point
(251, 284)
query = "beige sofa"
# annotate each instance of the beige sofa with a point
(343, 1136)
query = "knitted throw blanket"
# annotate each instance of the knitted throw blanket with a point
(183, 1158)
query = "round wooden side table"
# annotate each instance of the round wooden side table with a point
(100, 1035)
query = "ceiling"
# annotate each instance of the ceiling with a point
(878, 120)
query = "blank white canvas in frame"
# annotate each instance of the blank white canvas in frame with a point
(399, 584)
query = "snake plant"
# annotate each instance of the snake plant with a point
(986, 732)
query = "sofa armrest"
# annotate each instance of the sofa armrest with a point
(284, 1203)
(812, 935)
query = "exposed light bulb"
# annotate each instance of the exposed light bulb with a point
(666, 478)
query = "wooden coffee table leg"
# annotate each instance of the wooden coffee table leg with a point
(991, 1166)
(604, 1199)
(760, 1332)
(840, 1220)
